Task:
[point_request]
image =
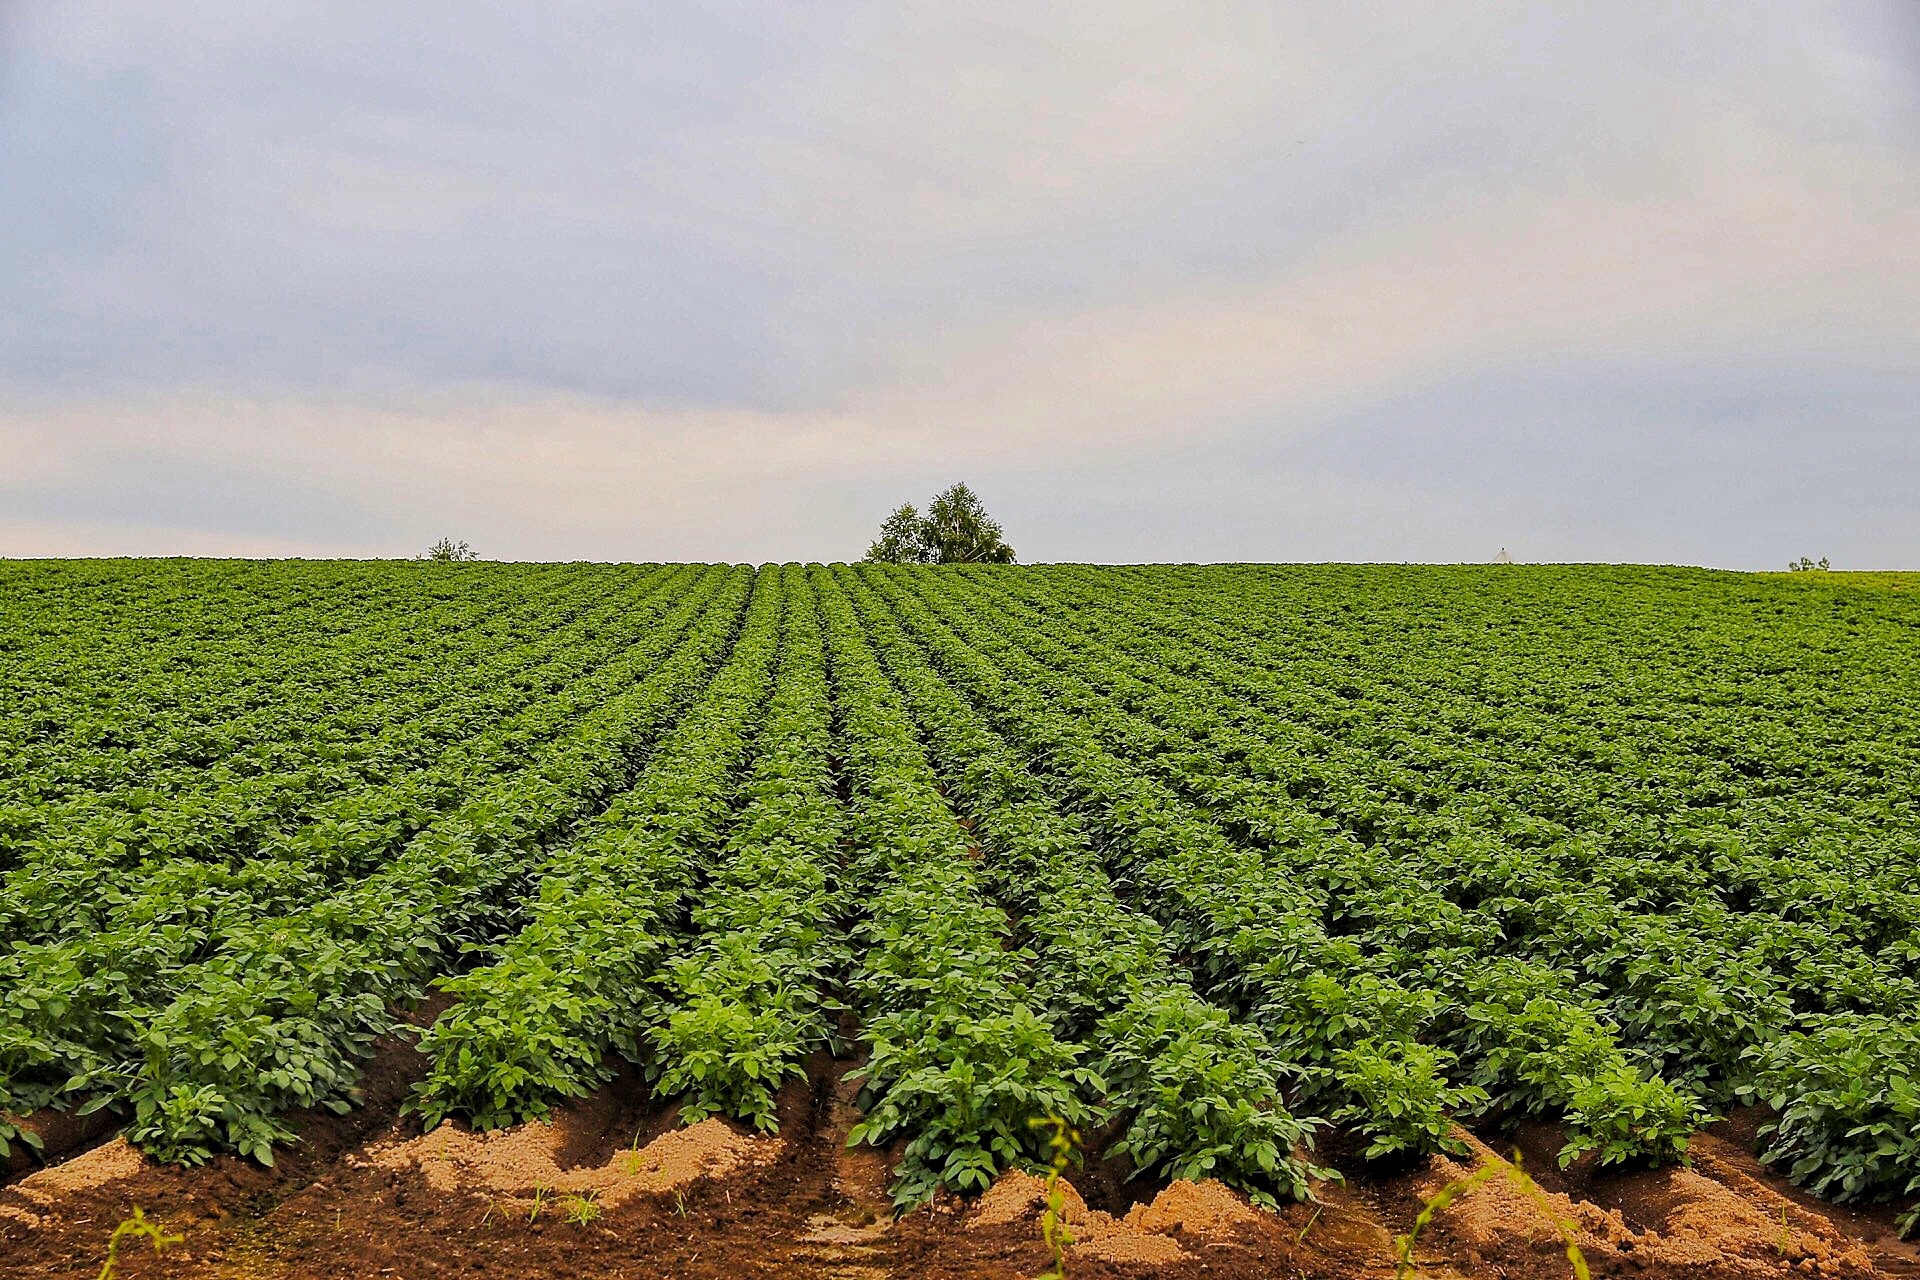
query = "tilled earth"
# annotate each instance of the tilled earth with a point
(613, 1189)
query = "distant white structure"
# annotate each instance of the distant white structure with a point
(1503, 557)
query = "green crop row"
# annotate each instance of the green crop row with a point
(1529, 1038)
(1197, 1094)
(747, 1004)
(1203, 859)
(1252, 936)
(239, 690)
(104, 863)
(536, 1024)
(958, 1060)
(279, 1017)
(1718, 994)
(83, 998)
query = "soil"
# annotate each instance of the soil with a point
(613, 1187)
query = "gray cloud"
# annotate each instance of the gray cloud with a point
(1250, 283)
(147, 490)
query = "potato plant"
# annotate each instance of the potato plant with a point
(1204, 860)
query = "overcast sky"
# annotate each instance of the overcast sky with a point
(1400, 281)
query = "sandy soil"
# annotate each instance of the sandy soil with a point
(612, 1188)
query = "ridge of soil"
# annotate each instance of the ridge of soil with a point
(614, 1187)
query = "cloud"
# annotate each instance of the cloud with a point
(730, 282)
(523, 474)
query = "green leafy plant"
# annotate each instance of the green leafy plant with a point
(11, 1132)
(955, 530)
(1064, 1141)
(138, 1225)
(1400, 1097)
(963, 1086)
(581, 1210)
(1217, 855)
(1846, 1093)
(447, 551)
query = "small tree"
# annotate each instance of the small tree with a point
(1805, 565)
(956, 530)
(900, 540)
(448, 550)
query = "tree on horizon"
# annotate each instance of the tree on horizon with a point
(955, 530)
(899, 541)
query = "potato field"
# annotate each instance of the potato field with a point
(364, 918)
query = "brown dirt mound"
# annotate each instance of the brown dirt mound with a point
(1208, 1211)
(366, 1196)
(1688, 1225)
(1151, 1234)
(527, 1160)
(1014, 1197)
(1725, 1152)
(60, 1132)
(43, 1190)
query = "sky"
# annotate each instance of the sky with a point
(1609, 281)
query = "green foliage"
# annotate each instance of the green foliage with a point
(11, 1132)
(1545, 1052)
(1203, 859)
(447, 551)
(1242, 926)
(1195, 1088)
(955, 530)
(958, 530)
(581, 1210)
(137, 1225)
(205, 1029)
(1806, 564)
(1627, 1119)
(730, 1056)
(1064, 1140)
(1847, 1093)
(512, 1045)
(964, 1086)
(751, 1001)
(1398, 1095)
(1202, 1098)
(901, 539)
(957, 1057)
(537, 1024)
